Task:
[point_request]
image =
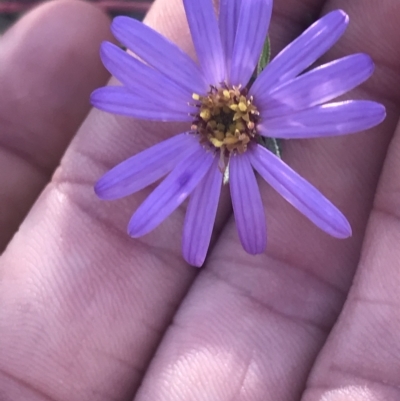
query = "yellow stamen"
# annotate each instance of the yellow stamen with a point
(216, 142)
(242, 107)
(227, 119)
(226, 94)
(219, 135)
(205, 114)
(246, 117)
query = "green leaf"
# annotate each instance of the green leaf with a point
(265, 56)
(272, 144)
(275, 146)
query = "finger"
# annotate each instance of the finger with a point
(88, 266)
(360, 360)
(47, 72)
(251, 327)
(114, 296)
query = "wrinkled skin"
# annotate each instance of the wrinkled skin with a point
(87, 313)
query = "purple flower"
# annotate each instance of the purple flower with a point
(227, 118)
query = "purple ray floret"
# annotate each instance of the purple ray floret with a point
(227, 117)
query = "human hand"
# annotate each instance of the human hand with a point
(84, 307)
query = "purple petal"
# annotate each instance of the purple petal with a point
(141, 79)
(200, 217)
(118, 100)
(317, 86)
(160, 53)
(203, 26)
(254, 19)
(300, 193)
(331, 119)
(228, 22)
(301, 53)
(146, 167)
(247, 205)
(171, 192)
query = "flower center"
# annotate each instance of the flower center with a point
(227, 119)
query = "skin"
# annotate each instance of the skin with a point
(89, 314)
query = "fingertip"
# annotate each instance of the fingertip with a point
(49, 66)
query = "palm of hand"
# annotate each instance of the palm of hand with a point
(84, 308)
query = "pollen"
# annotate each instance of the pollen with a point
(226, 119)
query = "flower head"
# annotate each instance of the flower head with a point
(227, 116)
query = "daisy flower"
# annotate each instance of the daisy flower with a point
(227, 115)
